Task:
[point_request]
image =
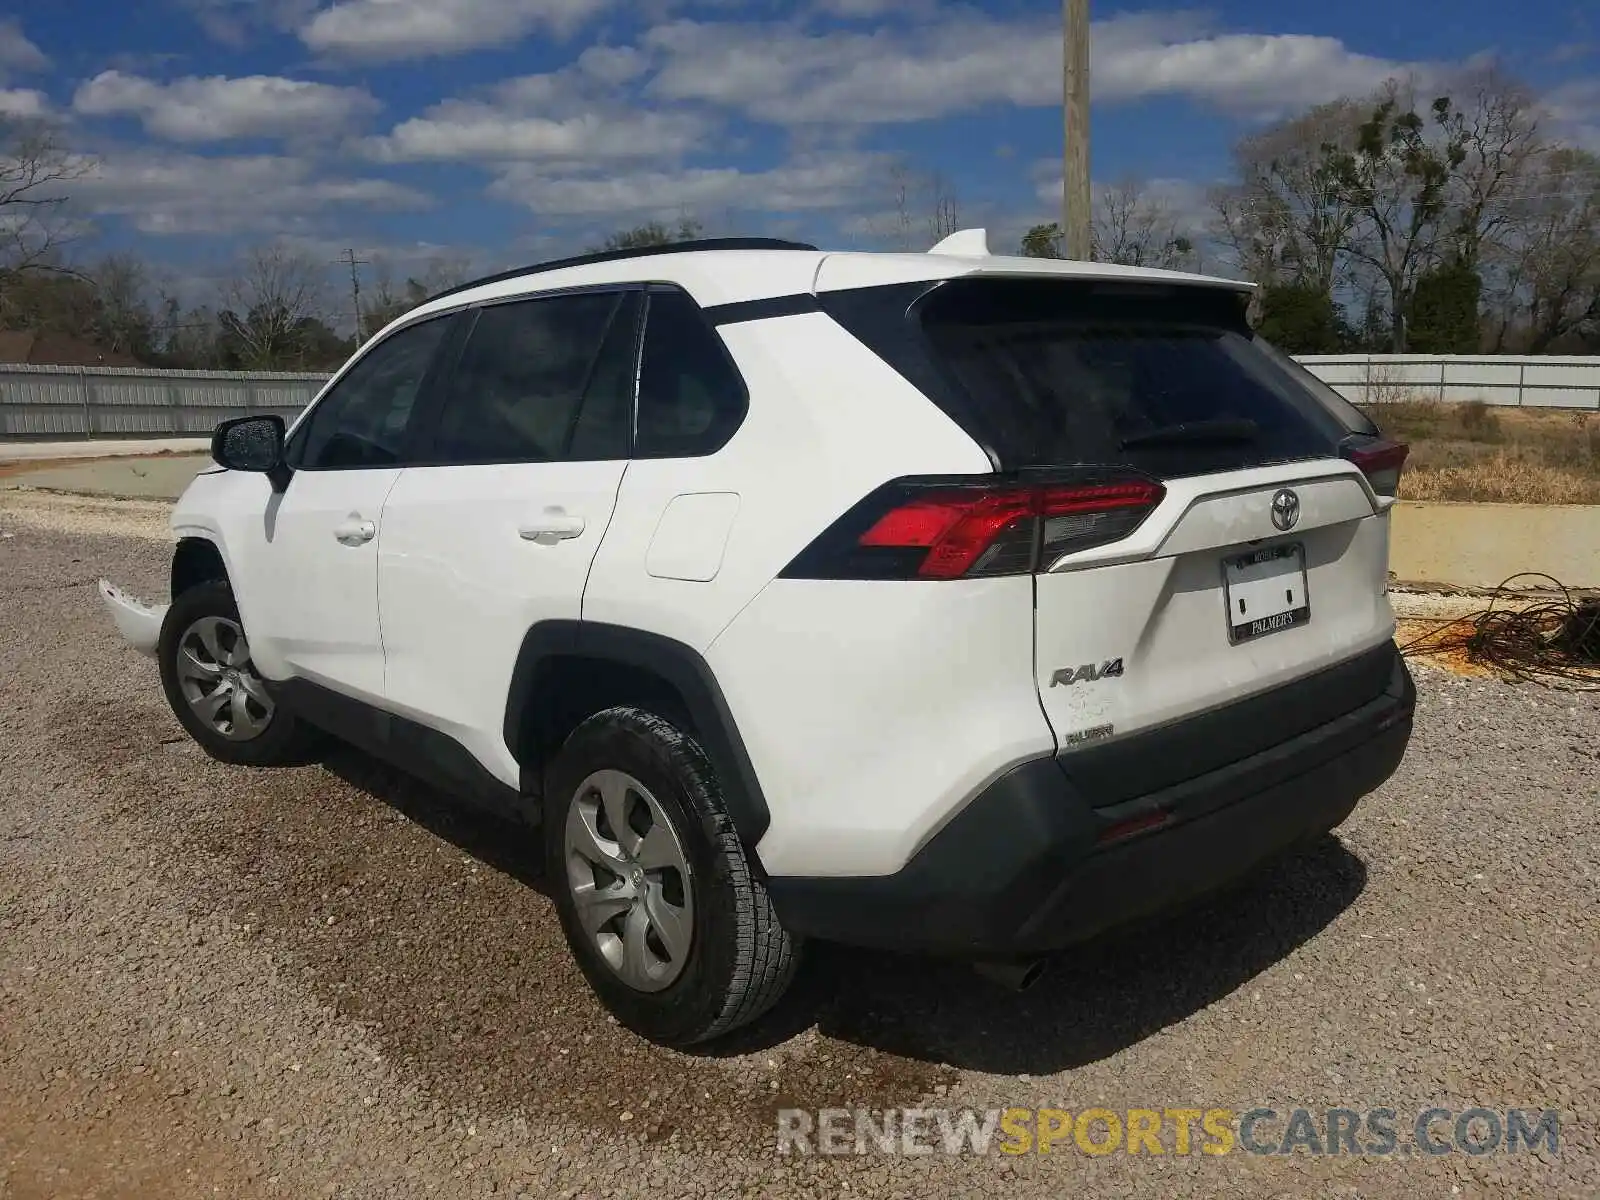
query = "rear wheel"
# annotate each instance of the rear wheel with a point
(656, 896)
(214, 688)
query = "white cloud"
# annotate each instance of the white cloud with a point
(1575, 105)
(17, 53)
(575, 115)
(802, 185)
(187, 193)
(233, 22)
(861, 10)
(388, 30)
(23, 104)
(782, 73)
(615, 65)
(1250, 72)
(475, 132)
(219, 108)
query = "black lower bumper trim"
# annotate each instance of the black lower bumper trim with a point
(1023, 868)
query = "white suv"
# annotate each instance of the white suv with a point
(945, 601)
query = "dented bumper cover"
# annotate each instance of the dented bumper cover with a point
(139, 623)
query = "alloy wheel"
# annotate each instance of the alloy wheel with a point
(630, 880)
(220, 682)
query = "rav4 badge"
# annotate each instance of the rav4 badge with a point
(1088, 673)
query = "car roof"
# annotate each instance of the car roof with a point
(732, 271)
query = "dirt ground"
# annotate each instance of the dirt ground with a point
(328, 981)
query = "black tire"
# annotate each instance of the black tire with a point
(284, 741)
(740, 959)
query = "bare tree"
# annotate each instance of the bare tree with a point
(1285, 220)
(35, 176)
(944, 209)
(386, 299)
(1545, 274)
(918, 198)
(446, 270)
(1136, 228)
(123, 321)
(1495, 122)
(902, 193)
(269, 304)
(188, 337)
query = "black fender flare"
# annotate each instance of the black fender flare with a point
(682, 668)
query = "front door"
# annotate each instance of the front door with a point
(309, 589)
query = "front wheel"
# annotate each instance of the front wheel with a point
(657, 899)
(214, 688)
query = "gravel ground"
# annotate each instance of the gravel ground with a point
(324, 981)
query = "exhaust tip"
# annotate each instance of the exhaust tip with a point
(1012, 975)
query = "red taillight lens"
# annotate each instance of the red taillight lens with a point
(1381, 461)
(971, 534)
(915, 529)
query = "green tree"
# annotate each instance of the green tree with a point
(1300, 318)
(1042, 241)
(1397, 182)
(1444, 310)
(654, 233)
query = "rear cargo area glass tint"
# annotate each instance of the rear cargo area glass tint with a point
(1049, 373)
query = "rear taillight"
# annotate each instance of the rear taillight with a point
(1380, 460)
(939, 529)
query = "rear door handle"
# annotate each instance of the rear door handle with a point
(354, 531)
(550, 526)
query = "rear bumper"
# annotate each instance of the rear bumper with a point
(1035, 861)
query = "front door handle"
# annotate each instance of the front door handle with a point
(353, 531)
(552, 525)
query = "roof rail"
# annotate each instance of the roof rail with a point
(694, 245)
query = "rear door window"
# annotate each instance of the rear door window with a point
(1164, 379)
(543, 380)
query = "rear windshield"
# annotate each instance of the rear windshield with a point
(1053, 373)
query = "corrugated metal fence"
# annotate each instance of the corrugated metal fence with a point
(93, 402)
(1531, 381)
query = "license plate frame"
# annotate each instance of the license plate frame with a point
(1245, 573)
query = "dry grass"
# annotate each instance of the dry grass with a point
(1510, 455)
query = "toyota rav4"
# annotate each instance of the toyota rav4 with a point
(944, 602)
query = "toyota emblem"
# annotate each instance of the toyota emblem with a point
(1285, 509)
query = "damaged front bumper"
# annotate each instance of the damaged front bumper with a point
(136, 621)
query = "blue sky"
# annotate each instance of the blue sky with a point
(515, 129)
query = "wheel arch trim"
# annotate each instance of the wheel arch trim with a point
(677, 665)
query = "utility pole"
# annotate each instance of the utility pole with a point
(355, 289)
(1075, 109)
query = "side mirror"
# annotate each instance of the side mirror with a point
(252, 444)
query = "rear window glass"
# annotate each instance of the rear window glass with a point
(1055, 373)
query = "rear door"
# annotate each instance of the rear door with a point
(497, 531)
(1266, 557)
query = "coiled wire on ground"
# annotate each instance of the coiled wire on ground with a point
(1551, 640)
